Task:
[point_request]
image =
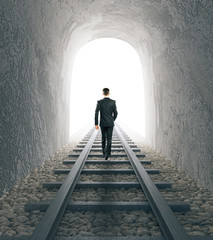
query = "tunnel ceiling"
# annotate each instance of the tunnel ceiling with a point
(159, 30)
(39, 41)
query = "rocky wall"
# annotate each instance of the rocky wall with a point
(38, 43)
(34, 104)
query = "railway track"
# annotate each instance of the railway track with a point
(124, 151)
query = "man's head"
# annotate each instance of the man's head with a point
(106, 92)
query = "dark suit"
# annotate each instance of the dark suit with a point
(108, 112)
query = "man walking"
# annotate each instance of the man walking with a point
(108, 114)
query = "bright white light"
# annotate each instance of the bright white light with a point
(111, 63)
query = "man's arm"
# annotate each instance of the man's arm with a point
(96, 115)
(115, 112)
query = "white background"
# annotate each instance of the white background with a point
(110, 63)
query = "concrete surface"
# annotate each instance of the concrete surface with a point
(174, 41)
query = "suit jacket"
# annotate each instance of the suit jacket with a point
(108, 112)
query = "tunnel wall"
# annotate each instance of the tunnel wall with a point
(183, 88)
(34, 119)
(174, 41)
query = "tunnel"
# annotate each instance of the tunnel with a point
(39, 41)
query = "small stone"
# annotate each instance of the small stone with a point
(4, 212)
(63, 229)
(4, 229)
(24, 234)
(155, 233)
(99, 222)
(10, 233)
(197, 233)
(4, 220)
(11, 216)
(130, 232)
(85, 234)
(22, 219)
(143, 220)
(99, 229)
(21, 200)
(130, 218)
(115, 230)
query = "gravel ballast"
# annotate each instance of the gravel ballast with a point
(14, 221)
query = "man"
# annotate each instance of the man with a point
(108, 112)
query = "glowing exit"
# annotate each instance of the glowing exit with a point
(111, 63)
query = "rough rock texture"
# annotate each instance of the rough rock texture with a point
(174, 41)
(34, 101)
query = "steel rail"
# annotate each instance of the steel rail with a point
(169, 224)
(48, 225)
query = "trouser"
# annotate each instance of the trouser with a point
(106, 135)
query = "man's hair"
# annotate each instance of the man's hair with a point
(106, 91)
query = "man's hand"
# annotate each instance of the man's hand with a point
(96, 127)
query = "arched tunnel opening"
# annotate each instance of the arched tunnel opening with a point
(113, 63)
(39, 45)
